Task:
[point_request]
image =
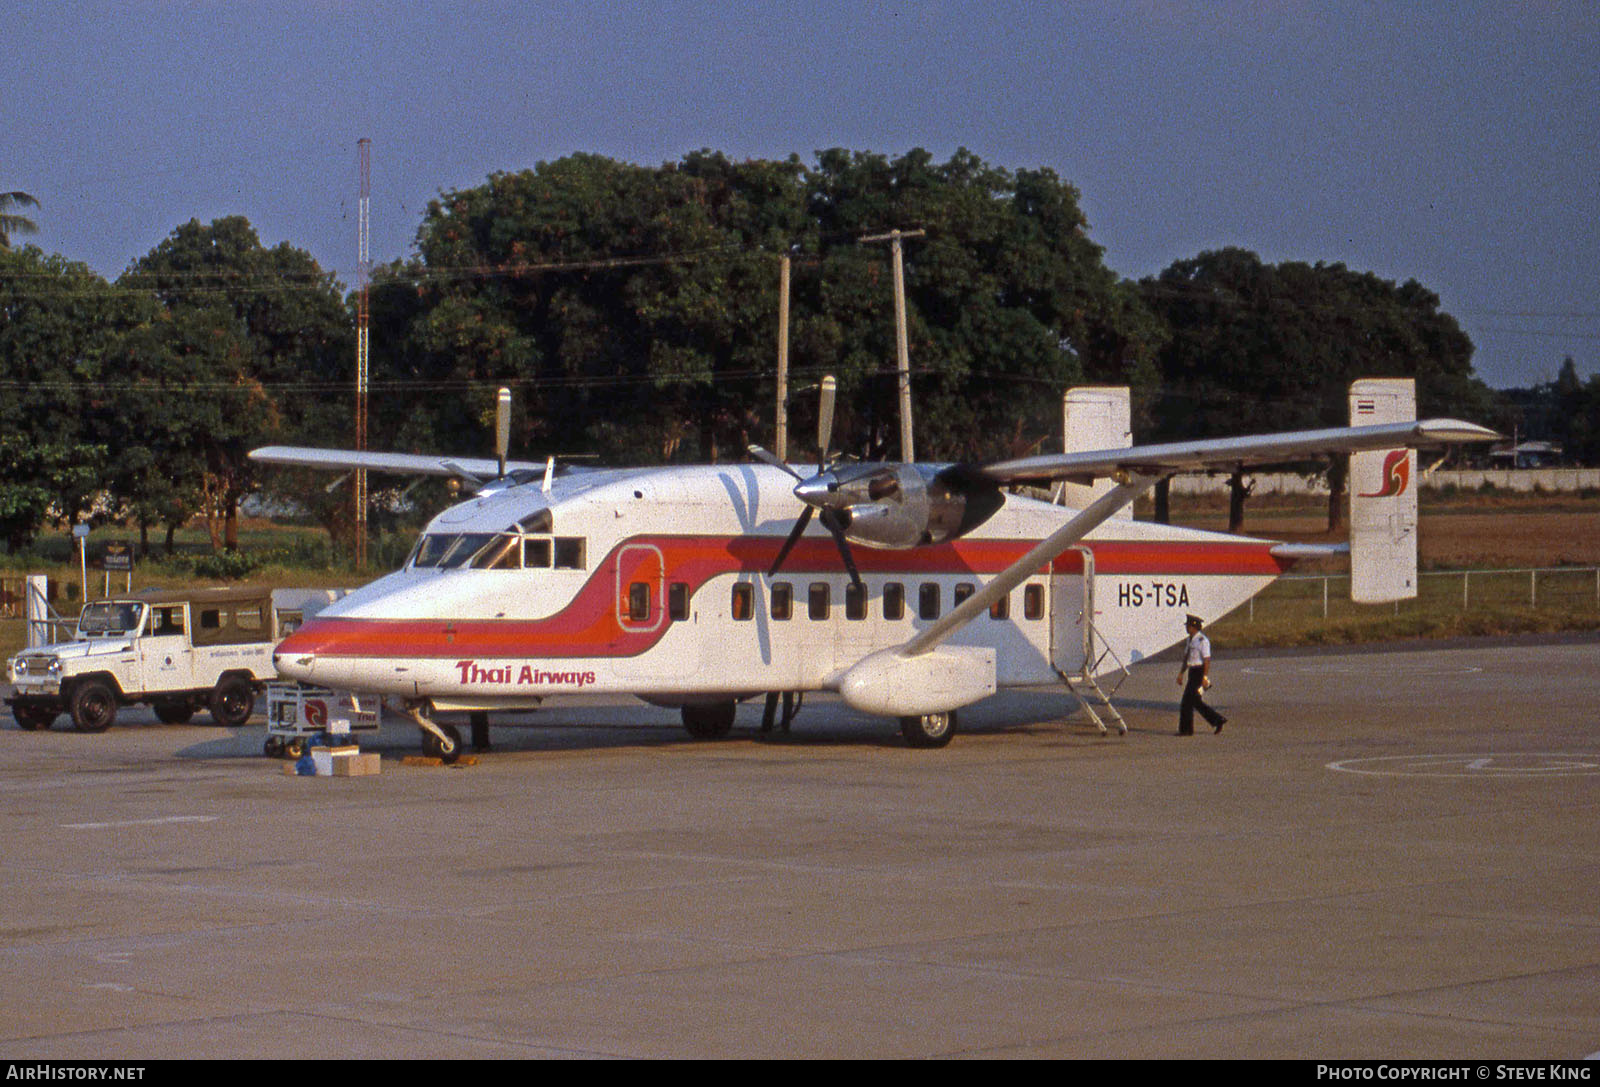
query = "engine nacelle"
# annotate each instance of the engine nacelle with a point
(900, 506)
(943, 679)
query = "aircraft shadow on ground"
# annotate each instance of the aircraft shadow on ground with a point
(824, 726)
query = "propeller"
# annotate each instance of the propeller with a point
(475, 483)
(502, 427)
(883, 504)
(810, 490)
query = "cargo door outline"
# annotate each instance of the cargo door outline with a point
(641, 564)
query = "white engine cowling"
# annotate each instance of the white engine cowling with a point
(942, 679)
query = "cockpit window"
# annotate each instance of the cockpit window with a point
(447, 551)
(108, 619)
(430, 549)
(569, 553)
(461, 551)
(501, 553)
(498, 551)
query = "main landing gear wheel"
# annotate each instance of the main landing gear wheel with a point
(712, 722)
(93, 706)
(33, 718)
(232, 701)
(929, 730)
(448, 748)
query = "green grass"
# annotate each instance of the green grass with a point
(1290, 611)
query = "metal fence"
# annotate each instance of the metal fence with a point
(1327, 596)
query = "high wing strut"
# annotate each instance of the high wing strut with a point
(1129, 487)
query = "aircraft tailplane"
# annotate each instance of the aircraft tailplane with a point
(1383, 497)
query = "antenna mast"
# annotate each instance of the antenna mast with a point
(363, 278)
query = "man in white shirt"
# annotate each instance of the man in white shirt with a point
(1194, 676)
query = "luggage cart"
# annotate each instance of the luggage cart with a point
(296, 712)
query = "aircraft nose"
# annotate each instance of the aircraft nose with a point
(296, 666)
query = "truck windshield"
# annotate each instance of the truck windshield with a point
(109, 619)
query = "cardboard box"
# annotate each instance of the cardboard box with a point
(323, 758)
(357, 765)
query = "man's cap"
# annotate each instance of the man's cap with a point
(1195, 619)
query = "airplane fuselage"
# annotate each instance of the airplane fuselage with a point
(654, 583)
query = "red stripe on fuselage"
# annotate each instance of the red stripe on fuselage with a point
(590, 624)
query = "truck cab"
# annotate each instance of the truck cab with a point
(178, 650)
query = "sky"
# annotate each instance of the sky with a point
(1454, 143)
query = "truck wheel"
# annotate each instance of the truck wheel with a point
(233, 700)
(93, 706)
(33, 718)
(174, 711)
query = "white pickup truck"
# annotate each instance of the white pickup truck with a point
(178, 650)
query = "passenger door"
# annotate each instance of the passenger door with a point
(166, 655)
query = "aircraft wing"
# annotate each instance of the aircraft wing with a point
(1137, 468)
(400, 464)
(1229, 453)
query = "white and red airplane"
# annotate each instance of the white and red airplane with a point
(699, 587)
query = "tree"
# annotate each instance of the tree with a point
(637, 306)
(1255, 346)
(10, 221)
(1565, 411)
(34, 476)
(251, 345)
(58, 320)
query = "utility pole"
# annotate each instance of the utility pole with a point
(781, 439)
(903, 358)
(363, 276)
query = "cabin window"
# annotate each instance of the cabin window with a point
(818, 600)
(249, 617)
(894, 600)
(1001, 609)
(536, 554)
(210, 619)
(501, 553)
(1033, 602)
(570, 553)
(678, 601)
(639, 601)
(743, 604)
(928, 600)
(782, 600)
(964, 590)
(855, 601)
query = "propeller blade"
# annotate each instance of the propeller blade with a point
(794, 536)
(502, 427)
(825, 421)
(834, 523)
(767, 457)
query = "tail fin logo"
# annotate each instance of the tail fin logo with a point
(1396, 475)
